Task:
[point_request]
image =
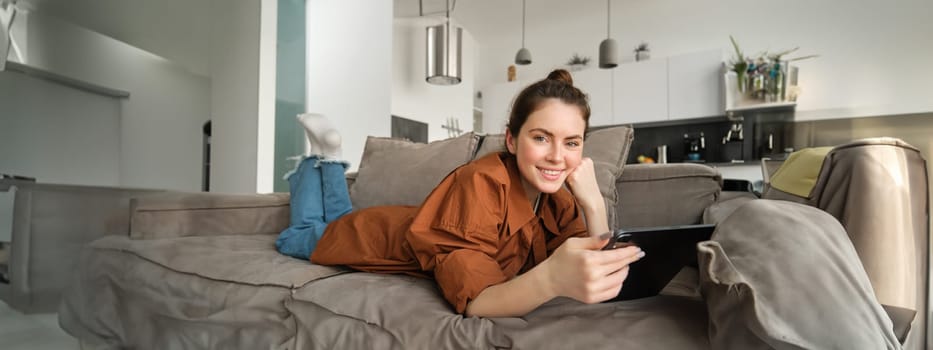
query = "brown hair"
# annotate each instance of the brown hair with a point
(559, 85)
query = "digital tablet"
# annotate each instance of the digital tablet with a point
(667, 250)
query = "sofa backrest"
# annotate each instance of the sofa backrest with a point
(636, 195)
(665, 194)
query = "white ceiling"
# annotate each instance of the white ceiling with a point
(487, 20)
(178, 30)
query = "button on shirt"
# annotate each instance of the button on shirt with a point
(476, 229)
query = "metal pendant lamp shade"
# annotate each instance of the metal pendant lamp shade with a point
(444, 53)
(444, 47)
(608, 49)
(523, 56)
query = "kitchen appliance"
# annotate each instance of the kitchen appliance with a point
(694, 147)
(733, 144)
(771, 139)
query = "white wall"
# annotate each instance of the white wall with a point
(56, 133)
(160, 124)
(349, 53)
(872, 52)
(242, 112)
(412, 96)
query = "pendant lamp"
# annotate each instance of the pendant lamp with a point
(608, 49)
(444, 45)
(523, 56)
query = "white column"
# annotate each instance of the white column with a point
(349, 53)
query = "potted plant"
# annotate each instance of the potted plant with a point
(577, 62)
(777, 73)
(642, 52)
(739, 66)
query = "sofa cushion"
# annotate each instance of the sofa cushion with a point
(728, 202)
(120, 300)
(399, 172)
(661, 322)
(382, 311)
(211, 257)
(350, 312)
(785, 275)
(666, 194)
(490, 144)
(607, 147)
(799, 172)
(178, 214)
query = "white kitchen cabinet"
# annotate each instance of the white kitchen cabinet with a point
(695, 85)
(659, 89)
(640, 91)
(597, 83)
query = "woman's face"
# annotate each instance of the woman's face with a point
(548, 146)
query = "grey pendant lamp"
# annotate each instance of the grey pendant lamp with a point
(523, 56)
(608, 49)
(444, 44)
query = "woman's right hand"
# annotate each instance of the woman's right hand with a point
(581, 270)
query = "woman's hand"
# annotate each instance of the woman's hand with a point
(583, 185)
(582, 182)
(579, 269)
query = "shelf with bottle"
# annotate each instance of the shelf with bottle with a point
(761, 91)
(766, 81)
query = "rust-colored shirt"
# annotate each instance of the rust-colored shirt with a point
(476, 229)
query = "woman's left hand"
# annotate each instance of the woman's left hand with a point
(582, 182)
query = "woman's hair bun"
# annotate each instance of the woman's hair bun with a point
(561, 75)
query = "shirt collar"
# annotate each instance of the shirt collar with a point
(520, 211)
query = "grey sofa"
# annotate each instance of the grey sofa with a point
(48, 225)
(199, 270)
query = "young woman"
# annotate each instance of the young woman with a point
(500, 235)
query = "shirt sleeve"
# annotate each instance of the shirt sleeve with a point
(456, 235)
(568, 218)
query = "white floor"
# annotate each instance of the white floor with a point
(32, 332)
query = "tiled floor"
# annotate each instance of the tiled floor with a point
(32, 332)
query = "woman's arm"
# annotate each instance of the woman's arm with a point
(582, 182)
(515, 297)
(578, 269)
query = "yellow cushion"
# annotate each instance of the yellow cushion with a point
(798, 174)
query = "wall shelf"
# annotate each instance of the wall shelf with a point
(760, 106)
(68, 81)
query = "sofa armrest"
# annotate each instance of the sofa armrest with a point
(50, 225)
(351, 179)
(208, 214)
(665, 194)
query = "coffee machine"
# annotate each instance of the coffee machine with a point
(694, 147)
(733, 144)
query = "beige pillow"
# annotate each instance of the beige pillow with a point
(399, 172)
(784, 275)
(607, 147)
